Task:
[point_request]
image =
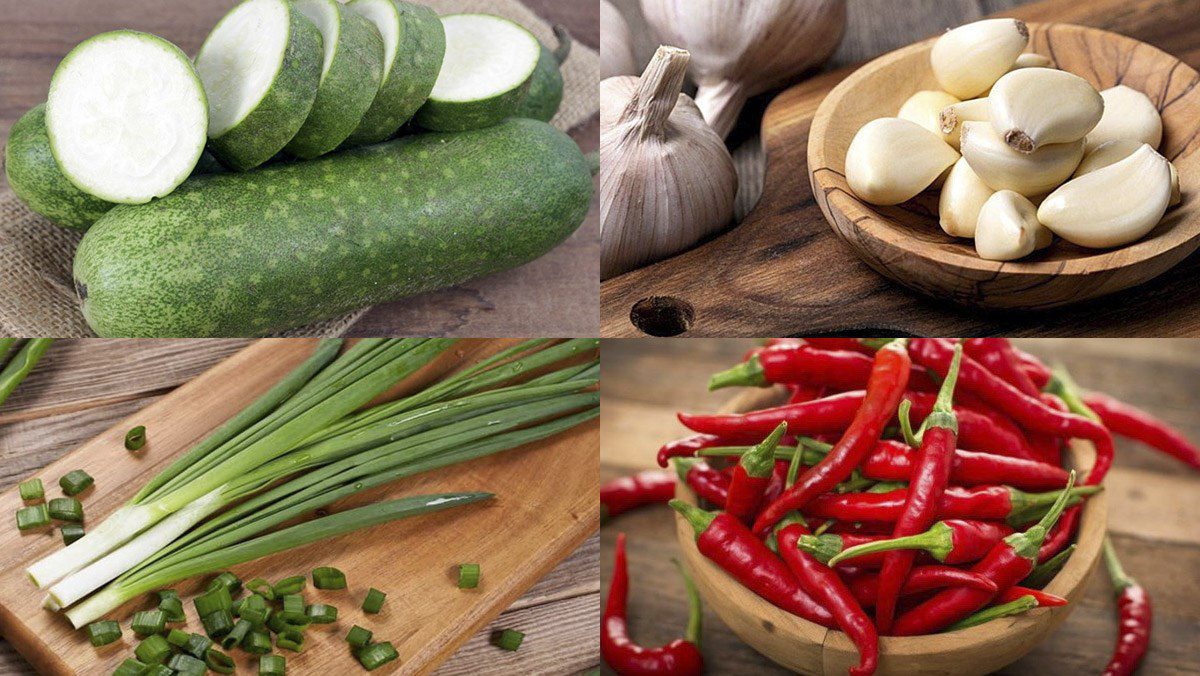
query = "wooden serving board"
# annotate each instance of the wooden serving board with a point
(530, 526)
(782, 271)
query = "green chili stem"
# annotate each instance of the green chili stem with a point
(695, 610)
(1116, 572)
(1015, 607)
(938, 541)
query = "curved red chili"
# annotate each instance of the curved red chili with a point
(798, 394)
(828, 415)
(1136, 617)
(630, 492)
(920, 579)
(803, 364)
(978, 502)
(680, 657)
(706, 482)
(1033, 367)
(687, 447)
(977, 431)
(1134, 423)
(853, 344)
(751, 477)
(1058, 537)
(892, 461)
(998, 356)
(1044, 599)
(951, 541)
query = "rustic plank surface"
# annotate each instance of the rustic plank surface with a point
(82, 388)
(511, 303)
(1153, 506)
(783, 271)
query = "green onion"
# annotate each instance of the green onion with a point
(70, 532)
(227, 580)
(198, 646)
(178, 638)
(468, 575)
(293, 609)
(320, 613)
(374, 601)
(66, 509)
(289, 585)
(159, 670)
(328, 578)
(509, 639)
(290, 640)
(376, 655)
(130, 667)
(22, 363)
(262, 588)
(216, 598)
(217, 623)
(254, 609)
(135, 438)
(172, 609)
(272, 665)
(257, 642)
(35, 516)
(219, 662)
(358, 637)
(75, 482)
(234, 638)
(154, 650)
(147, 622)
(31, 490)
(103, 632)
(186, 665)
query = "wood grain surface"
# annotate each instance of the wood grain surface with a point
(83, 388)
(783, 272)
(1153, 509)
(34, 36)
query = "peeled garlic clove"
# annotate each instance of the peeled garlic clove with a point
(969, 59)
(952, 117)
(1031, 60)
(1034, 107)
(1128, 114)
(962, 197)
(1115, 151)
(1003, 168)
(925, 108)
(1112, 206)
(1007, 228)
(892, 160)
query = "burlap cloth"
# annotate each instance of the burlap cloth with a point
(36, 294)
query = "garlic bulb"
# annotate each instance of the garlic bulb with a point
(666, 180)
(616, 49)
(962, 197)
(969, 59)
(952, 117)
(892, 160)
(1033, 107)
(1008, 227)
(1115, 151)
(1003, 168)
(1031, 60)
(925, 108)
(1128, 114)
(1112, 206)
(741, 48)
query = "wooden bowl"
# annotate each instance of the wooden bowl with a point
(809, 648)
(905, 243)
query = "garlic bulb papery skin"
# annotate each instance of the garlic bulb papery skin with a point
(969, 59)
(1128, 114)
(952, 117)
(1007, 228)
(1003, 168)
(616, 47)
(666, 179)
(1115, 151)
(961, 199)
(891, 160)
(1034, 107)
(1031, 60)
(741, 48)
(1111, 206)
(925, 108)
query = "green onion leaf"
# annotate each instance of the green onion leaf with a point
(509, 639)
(257, 642)
(272, 665)
(376, 655)
(149, 622)
(178, 638)
(30, 518)
(66, 509)
(198, 646)
(293, 609)
(103, 632)
(219, 662)
(234, 638)
(217, 623)
(31, 490)
(159, 670)
(374, 601)
(75, 482)
(320, 613)
(290, 639)
(135, 438)
(130, 667)
(186, 665)
(214, 599)
(154, 650)
(262, 588)
(289, 585)
(468, 575)
(255, 610)
(70, 532)
(358, 637)
(328, 578)
(172, 609)
(227, 580)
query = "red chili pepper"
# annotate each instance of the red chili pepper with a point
(827, 587)
(680, 657)
(1134, 611)
(889, 378)
(1044, 599)
(1006, 564)
(951, 541)
(920, 579)
(1038, 372)
(629, 492)
(751, 477)
(730, 545)
(978, 502)
(1058, 537)
(687, 447)
(828, 415)
(705, 482)
(892, 461)
(803, 364)
(839, 344)
(977, 431)
(996, 354)
(1134, 423)
(778, 481)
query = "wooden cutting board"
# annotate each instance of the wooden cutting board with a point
(529, 527)
(783, 271)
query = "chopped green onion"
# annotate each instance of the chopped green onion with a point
(257, 642)
(159, 670)
(289, 585)
(374, 601)
(32, 490)
(216, 598)
(236, 608)
(103, 632)
(509, 639)
(36, 516)
(178, 638)
(272, 665)
(376, 655)
(290, 640)
(70, 532)
(254, 609)
(217, 623)
(219, 662)
(75, 482)
(172, 609)
(186, 665)
(468, 576)
(358, 637)
(135, 438)
(328, 578)
(154, 650)
(227, 580)
(198, 646)
(262, 588)
(293, 609)
(66, 509)
(149, 622)
(130, 667)
(320, 613)
(234, 638)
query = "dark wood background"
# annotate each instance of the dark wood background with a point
(1154, 514)
(554, 295)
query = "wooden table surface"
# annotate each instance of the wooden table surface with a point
(82, 387)
(34, 36)
(1154, 513)
(841, 293)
